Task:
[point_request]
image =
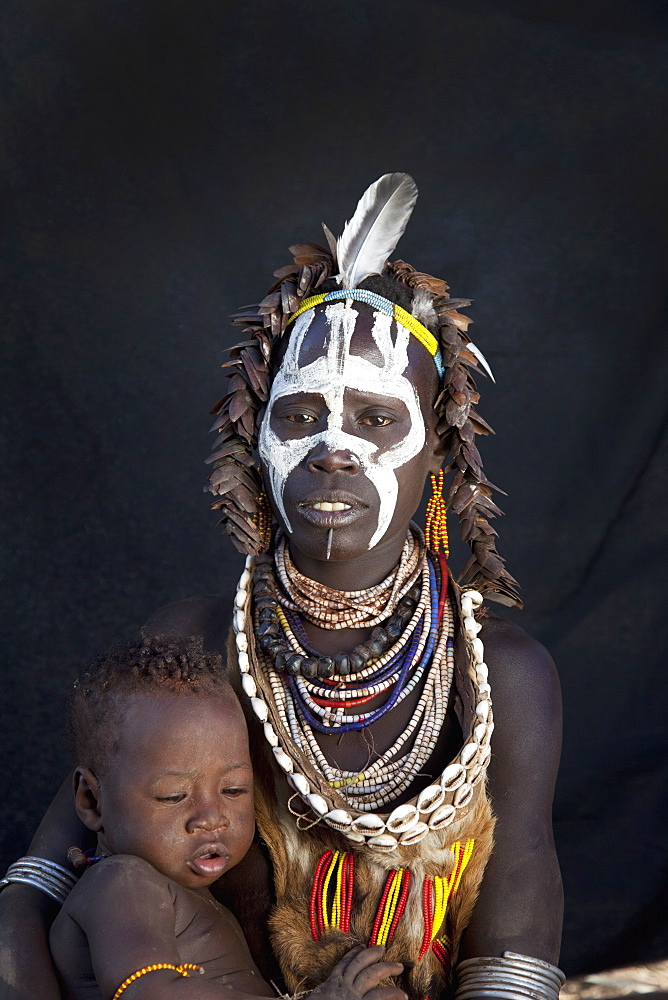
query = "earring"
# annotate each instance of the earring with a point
(436, 521)
(262, 520)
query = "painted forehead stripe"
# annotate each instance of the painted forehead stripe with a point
(380, 304)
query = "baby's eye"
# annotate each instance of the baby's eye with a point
(170, 798)
(300, 418)
(377, 420)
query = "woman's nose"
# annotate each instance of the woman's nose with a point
(325, 459)
(208, 814)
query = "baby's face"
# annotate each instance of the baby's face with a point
(179, 791)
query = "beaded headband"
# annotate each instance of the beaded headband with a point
(380, 304)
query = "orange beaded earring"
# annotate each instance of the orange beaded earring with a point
(436, 521)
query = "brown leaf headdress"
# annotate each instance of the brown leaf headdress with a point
(235, 479)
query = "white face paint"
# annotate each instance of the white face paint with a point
(329, 376)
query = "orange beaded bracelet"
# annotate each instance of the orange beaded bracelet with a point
(181, 969)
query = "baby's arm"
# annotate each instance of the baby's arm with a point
(126, 910)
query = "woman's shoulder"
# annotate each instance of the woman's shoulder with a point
(208, 615)
(512, 653)
(526, 696)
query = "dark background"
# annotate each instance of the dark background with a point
(160, 158)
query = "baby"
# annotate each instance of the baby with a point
(165, 780)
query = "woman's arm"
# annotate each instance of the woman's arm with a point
(520, 906)
(26, 914)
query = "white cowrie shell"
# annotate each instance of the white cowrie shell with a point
(479, 732)
(485, 689)
(270, 734)
(430, 798)
(248, 563)
(249, 685)
(239, 620)
(283, 760)
(383, 843)
(471, 627)
(415, 835)
(317, 803)
(468, 753)
(242, 660)
(242, 642)
(475, 774)
(244, 580)
(467, 607)
(485, 754)
(402, 818)
(475, 595)
(370, 825)
(355, 838)
(299, 783)
(463, 795)
(240, 598)
(481, 673)
(441, 817)
(478, 650)
(453, 776)
(338, 819)
(482, 710)
(259, 707)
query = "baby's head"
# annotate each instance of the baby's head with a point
(163, 768)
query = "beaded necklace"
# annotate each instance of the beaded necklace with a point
(411, 660)
(339, 609)
(292, 703)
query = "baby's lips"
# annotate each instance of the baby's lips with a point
(209, 867)
(210, 861)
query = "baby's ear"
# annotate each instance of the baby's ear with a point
(87, 798)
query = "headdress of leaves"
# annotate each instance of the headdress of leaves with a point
(235, 479)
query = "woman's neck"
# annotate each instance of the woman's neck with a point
(358, 573)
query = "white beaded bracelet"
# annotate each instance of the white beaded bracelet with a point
(47, 876)
(513, 977)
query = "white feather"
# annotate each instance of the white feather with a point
(378, 224)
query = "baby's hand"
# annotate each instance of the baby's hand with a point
(358, 974)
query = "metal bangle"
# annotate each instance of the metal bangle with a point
(47, 876)
(512, 977)
(514, 972)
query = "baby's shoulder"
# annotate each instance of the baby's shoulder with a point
(117, 880)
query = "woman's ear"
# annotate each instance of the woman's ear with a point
(437, 447)
(87, 798)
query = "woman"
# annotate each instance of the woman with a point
(364, 670)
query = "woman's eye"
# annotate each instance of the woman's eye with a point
(300, 418)
(170, 798)
(377, 420)
(234, 792)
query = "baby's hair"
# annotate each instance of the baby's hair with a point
(151, 665)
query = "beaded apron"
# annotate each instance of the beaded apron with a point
(334, 889)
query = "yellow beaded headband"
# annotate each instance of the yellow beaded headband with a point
(419, 331)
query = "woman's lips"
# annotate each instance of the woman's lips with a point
(331, 512)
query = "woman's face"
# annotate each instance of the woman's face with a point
(349, 437)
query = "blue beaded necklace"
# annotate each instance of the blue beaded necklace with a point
(401, 663)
